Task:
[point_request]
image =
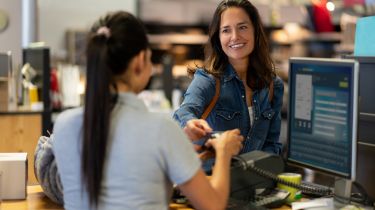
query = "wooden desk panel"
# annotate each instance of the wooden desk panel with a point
(20, 133)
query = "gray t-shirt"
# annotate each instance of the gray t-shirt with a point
(147, 152)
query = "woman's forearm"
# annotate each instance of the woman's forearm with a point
(221, 176)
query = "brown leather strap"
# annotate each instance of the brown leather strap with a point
(213, 101)
(270, 94)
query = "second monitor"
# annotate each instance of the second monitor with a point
(322, 117)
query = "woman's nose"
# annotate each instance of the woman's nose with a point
(235, 35)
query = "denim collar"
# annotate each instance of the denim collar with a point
(230, 73)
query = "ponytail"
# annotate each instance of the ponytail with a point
(96, 116)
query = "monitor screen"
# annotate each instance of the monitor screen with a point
(322, 118)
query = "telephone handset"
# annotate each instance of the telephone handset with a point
(243, 162)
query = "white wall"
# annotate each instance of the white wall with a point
(178, 11)
(56, 17)
(11, 38)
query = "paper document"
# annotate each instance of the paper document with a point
(316, 204)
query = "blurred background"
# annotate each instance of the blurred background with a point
(177, 31)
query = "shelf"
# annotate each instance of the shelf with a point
(192, 39)
(324, 37)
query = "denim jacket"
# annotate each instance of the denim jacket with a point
(231, 110)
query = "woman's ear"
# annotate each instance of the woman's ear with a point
(141, 59)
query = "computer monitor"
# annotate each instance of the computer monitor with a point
(322, 117)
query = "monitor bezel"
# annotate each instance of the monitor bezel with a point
(355, 81)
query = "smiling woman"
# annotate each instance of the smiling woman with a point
(237, 54)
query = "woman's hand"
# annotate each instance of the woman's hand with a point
(196, 129)
(228, 143)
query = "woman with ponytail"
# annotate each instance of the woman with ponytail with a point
(114, 154)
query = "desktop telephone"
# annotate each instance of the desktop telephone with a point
(258, 170)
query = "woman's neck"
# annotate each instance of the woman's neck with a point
(122, 87)
(240, 66)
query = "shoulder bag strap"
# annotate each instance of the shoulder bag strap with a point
(213, 101)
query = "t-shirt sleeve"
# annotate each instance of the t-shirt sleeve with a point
(180, 159)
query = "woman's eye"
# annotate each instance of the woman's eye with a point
(243, 27)
(225, 31)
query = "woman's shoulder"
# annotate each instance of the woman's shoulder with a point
(67, 130)
(70, 116)
(278, 82)
(278, 86)
(161, 119)
(161, 124)
(203, 73)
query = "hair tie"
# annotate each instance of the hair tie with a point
(104, 30)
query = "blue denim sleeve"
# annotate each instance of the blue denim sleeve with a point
(198, 95)
(272, 143)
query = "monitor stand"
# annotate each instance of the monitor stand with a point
(343, 190)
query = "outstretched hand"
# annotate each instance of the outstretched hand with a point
(196, 129)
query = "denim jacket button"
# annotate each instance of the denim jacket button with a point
(256, 118)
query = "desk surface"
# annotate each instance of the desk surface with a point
(37, 200)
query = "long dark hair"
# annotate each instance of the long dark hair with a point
(261, 67)
(113, 41)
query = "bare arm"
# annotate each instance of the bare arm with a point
(213, 194)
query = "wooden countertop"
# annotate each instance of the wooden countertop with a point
(37, 200)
